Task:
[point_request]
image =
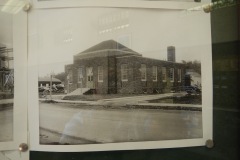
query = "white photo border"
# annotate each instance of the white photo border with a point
(20, 133)
(207, 103)
(118, 4)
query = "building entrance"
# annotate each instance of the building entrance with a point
(89, 72)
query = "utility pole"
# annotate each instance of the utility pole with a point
(51, 86)
(68, 83)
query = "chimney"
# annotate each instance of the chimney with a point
(171, 54)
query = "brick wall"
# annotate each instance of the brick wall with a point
(112, 72)
(136, 85)
(100, 87)
(112, 82)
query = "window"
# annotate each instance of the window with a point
(143, 72)
(90, 78)
(100, 73)
(164, 75)
(171, 74)
(89, 74)
(179, 75)
(154, 73)
(80, 75)
(70, 76)
(124, 72)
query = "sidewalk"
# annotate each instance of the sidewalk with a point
(126, 100)
(140, 102)
(6, 101)
(145, 97)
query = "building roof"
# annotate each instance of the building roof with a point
(47, 79)
(109, 45)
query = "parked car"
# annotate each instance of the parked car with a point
(59, 88)
(193, 90)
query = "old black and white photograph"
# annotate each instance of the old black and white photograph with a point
(151, 4)
(142, 0)
(6, 78)
(120, 75)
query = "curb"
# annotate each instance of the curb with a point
(161, 106)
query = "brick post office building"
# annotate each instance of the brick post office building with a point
(110, 68)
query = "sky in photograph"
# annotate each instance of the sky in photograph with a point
(6, 34)
(62, 33)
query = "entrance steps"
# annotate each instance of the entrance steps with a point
(79, 91)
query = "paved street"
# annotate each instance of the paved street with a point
(72, 124)
(6, 124)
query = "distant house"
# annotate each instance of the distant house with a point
(45, 82)
(109, 68)
(195, 77)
